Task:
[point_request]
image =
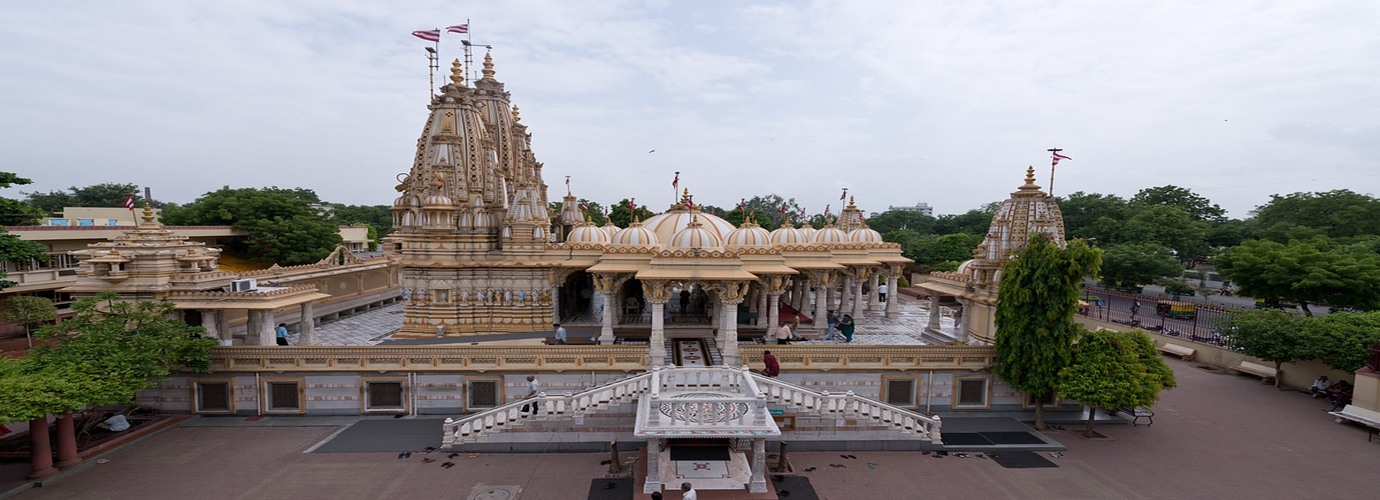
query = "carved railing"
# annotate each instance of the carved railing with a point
(846, 405)
(544, 407)
(877, 357)
(427, 358)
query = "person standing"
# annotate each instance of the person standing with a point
(783, 335)
(687, 492)
(282, 333)
(533, 387)
(772, 367)
(846, 327)
(560, 333)
(833, 321)
(881, 292)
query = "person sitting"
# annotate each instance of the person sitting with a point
(114, 423)
(1320, 386)
(784, 335)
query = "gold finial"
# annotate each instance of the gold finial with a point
(150, 220)
(516, 116)
(850, 202)
(1030, 175)
(457, 74)
(488, 66)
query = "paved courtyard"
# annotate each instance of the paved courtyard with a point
(1216, 436)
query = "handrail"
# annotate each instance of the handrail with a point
(828, 405)
(544, 406)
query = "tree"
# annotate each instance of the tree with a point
(377, 217)
(1083, 214)
(17, 251)
(1136, 264)
(1035, 308)
(1169, 226)
(29, 311)
(975, 221)
(285, 226)
(106, 194)
(895, 220)
(15, 212)
(1112, 369)
(769, 207)
(1343, 339)
(1314, 272)
(1270, 334)
(932, 251)
(1198, 207)
(1335, 214)
(622, 213)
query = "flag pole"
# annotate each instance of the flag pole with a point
(1054, 161)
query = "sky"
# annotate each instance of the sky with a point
(945, 103)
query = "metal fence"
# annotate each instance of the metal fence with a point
(1185, 320)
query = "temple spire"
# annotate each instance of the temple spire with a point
(457, 74)
(488, 66)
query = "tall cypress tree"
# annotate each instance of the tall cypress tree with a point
(1036, 302)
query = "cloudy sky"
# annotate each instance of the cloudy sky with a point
(901, 102)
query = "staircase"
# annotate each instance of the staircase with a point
(716, 358)
(544, 407)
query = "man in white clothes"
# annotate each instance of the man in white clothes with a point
(687, 492)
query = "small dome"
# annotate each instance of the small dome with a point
(588, 233)
(807, 232)
(635, 236)
(694, 236)
(787, 235)
(668, 224)
(965, 267)
(609, 229)
(437, 200)
(830, 235)
(749, 235)
(865, 235)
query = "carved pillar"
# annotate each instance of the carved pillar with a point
(40, 450)
(67, 442)
(556, 304)
(653, 483)
(961, 324)
(758, 483)
(858, 299)
(223, 326)
(730, 295)
(891, 293)
(606, 320)
(821, 280)
(798, 293)
(657, 294)
(845, 295)
(933, 326)
(208, 323)
(307, 326)
(776, 285)
(761, 307)
(873, 295)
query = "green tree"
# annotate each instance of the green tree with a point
(895, 220)
(1335, 214)
(285, 226)
(975, 221)
(622, 213)
(377, 217)
(106, 194)
(15, 212)
(1169, 226)
(1137, 264)
(1316, 272)
(1198, 207)
(29, 311)
(1112, 369)
(1343, 339)
(1084, 215)
(1270, 334)
(769, 208)
(1035, 307)
(932, 250)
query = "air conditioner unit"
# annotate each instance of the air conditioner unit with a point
(244, 285)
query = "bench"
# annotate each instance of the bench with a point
(1183, 352)
(1138, 412)
(1265, 373)
(1361, 416)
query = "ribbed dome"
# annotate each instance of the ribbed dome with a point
(749, 235)
(609, 229)
(787, 235)
(830, 235)
(437, 200)
(807, 232)
(635, 235)
(865, 235)
(694, 236)
(588, 233)
(666, 225)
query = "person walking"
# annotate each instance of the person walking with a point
(833, 321)
(881, 292)
(772, 367)
(560, 333)
(282, 333)
(846, 327)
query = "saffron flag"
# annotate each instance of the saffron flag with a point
(129, 202)
(1058, 157)
(428, 35)
(742, 205)
(459, 28)
(783, 209)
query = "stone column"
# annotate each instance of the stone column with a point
(67, 442)
(227, 336)
(961, 324)
(653, 483)
(797, 293)
(845, 294)
(891, 293)
(758, 483)
(821, 314)
(857, 300)
(556, 304)
(933, 326)
(212, 326)
(40, 450)
(306, 326)
(773, 315)
(656, 353)
(606, 331)
(730, 329)
(761, 307)
(874, 295)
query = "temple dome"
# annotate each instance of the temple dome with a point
(635, 235)
(588, 233)
(865, 235)
(609, 228)
(830, 235)
(666, 225)
(787, 235)
(438, 200)
(694, 236)
(749, 235)
(807, 232)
